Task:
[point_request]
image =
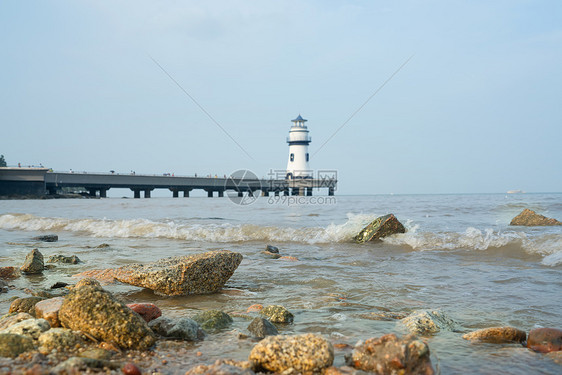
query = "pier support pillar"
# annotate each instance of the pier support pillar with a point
(265, 193)
(330, 191)
(92, 192)
(103, 193)
(309, 192)
(221, 193)
(210, 193)
(286, 192)
(147, 193)
(240, 194)
(295, 191)
(186, 193)
(136, 193)
(52, 190)
(276, 193)
(175, 193)
(250, 193)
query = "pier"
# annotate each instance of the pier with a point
(97, 184)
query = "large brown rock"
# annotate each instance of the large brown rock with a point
(34, 262)
(48, 309)
(308, 353)
(545, 340)
(9, 272)
(191, 274)
(390, 355)
(530, 218)
(92, 310)
(380, 227)
(497, 335)
(25, 304)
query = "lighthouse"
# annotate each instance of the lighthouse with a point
(298, 140)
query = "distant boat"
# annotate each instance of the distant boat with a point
(515, 192)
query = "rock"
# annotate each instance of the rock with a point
(131, 369)
(212, 320)
(97, 353)
(32, 328)
(390, 355)
(530, 218)
(555, 356)
(148, 311)
(58, 284)
(33, 262)
(13, 318)
(260, 327)
(183, 328)
(272, 249)
(277, 314)
(48, 309)
(380, 227)
(8, 273)
(545, 340)
(73, 259)
(182, 275)
(221, 367)
(4, 287)
(96, 312)
(59, 339)
(497, 335)
(87, 281)
(287, 257)
(12, 345)
(46, 238)
(75, 365)
(271, 255)
(428, 322)
(303, 353)
(384, 315)
(25, 304)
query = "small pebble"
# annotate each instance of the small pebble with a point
(131, 369)
(199, 354)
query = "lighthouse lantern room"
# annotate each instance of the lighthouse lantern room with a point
(298, 140)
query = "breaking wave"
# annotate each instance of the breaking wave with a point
(549, 246)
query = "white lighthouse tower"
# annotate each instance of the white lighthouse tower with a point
(298, 140)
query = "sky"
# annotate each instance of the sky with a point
(468, 94)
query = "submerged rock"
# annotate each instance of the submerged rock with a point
(390, 355)
(183, 328)
(222, 367)
(73, 259)
(48, 309)
(308, 353)
(47, 238)
(96, 312)
(182, 275)
(380, 227)
(271, 255)
(545, 340)
(531, 219)
(497, 335)
(33, 262)
(428, 322)
(277, 314)
(12, 345)
(25, 304)
(4, 287)
(212, 320)
(272, 249)
(260, 327)
(148, 311)
(9, 272)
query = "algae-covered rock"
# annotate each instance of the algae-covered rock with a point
(73, 259)
(428, 322)
(260, 327)
(497, 335)
(58, 338)
(308, 353)
(380, 227)
(32, 328)
(530, 218)
(390, 355)
(212, 320)
(277, 314)
(33, 262)
(47, 238)
(96, 312)
(25, 304)
(9, 272)
(12, 345)
(182, 275)
(182, 328)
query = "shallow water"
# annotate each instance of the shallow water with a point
(459, 255)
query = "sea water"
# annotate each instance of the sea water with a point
(459, 255)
